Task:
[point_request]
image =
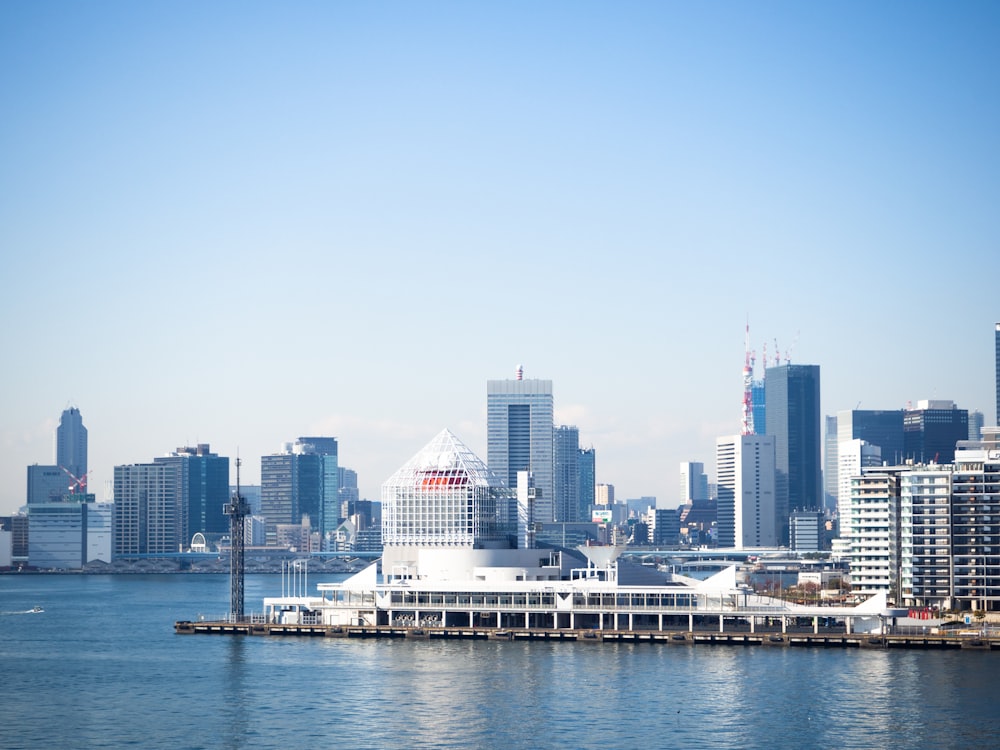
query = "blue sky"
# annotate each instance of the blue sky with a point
(238, 223)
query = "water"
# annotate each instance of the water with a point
(102, 668)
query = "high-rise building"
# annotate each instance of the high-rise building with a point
(587, 483)
(830, 464)
(758, 393)
(793, 420)
(290, 487)
(746, 487)
(881, 427)
(202, 490)
(926, 536)
(68, 476)
(71, 446)
(519, 434)
(566, 455)
(932, 430)
(694, 482)
(977, 420)
(148, 515)
(47, 484)
(853, 457)
(997, 348)
(328, 517)
(872, 531)
(347, 487)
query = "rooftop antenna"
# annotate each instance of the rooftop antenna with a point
(237, 509)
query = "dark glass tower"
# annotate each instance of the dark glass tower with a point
(883, 428)
(567, 473)
(932, 430)
(71, 447)
(291, 485)
(202, 490)
(793, 418)
(587, 482)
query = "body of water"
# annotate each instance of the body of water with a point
(102, 667)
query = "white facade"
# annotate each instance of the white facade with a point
(746, 491)
(871, 532)
(445, 496)
(925, 537)
(852, 456)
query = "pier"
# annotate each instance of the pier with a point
(677, 638)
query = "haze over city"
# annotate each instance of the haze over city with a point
(242, 223)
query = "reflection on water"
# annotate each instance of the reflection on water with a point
(103, 658)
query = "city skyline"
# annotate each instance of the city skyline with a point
(233, 224)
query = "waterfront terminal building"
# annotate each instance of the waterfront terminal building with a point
(451, 562)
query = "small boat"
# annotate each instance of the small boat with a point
(36, 609)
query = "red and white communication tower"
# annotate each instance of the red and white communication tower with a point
(747, 423)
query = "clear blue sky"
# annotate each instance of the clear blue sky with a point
(238, 223)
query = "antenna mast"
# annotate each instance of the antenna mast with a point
(237, 509)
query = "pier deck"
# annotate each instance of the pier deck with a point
(823, 640)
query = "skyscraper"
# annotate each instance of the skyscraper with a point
(587, 482)
(694, 482)
(932, 430)
(746, 513)
(830, 463)
(567, 473)
(519, 434)
(202, 490)
(329, 509)
(793, 419)
(881, 427)
(71, 446)
(997, 347)
(147, 515)
(852, 457)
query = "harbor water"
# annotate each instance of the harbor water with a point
(101, 667)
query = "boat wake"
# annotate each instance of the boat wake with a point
(32, 611)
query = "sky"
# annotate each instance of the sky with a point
(238, 223)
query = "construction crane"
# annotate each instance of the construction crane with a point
(747, 427)
(78, 484)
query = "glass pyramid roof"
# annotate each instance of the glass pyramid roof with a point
(447, 459)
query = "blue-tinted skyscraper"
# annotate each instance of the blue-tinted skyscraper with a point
(71, 446)
(793, 419)
(587, 483)
(567, 473)
(330, 506)
(202, 490)
(519, 435)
